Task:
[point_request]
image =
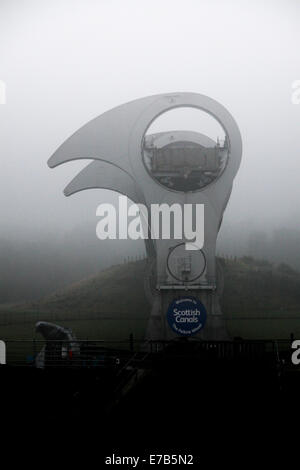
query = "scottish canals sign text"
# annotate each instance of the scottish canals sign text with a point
(186, 316)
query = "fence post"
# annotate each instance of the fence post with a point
(292, 337)
(34, 349)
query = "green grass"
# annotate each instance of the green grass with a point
(259, 301)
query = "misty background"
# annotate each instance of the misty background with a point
(65, 62)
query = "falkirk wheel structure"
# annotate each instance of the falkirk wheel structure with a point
(182, 167)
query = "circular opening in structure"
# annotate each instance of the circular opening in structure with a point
(185, 149)
(184, 265)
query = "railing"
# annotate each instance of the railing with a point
(122, 354)
(61, 353)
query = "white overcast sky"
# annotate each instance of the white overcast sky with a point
(66, 61)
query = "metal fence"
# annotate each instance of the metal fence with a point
(61, 353)
(103, 353)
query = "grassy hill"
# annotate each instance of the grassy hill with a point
(259, 301)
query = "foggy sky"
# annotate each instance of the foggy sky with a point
(66, 62)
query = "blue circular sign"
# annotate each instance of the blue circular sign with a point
(186, 316)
